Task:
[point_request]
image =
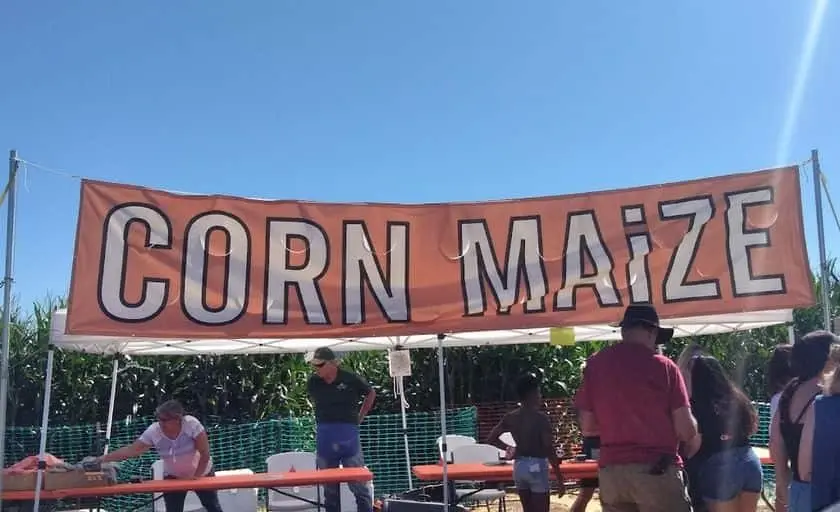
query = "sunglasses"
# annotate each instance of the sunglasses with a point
(318, 365)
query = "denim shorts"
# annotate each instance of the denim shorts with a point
(724, 475)
(531, 474)
(799, 497)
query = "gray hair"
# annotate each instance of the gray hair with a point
(170, 409)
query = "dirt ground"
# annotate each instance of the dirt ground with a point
(564, 504)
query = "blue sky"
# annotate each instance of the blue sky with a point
(402, 101)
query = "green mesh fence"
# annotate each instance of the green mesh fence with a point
(247, 445)
(762, 438)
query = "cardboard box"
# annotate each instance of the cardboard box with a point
(21, 481)
(74, 480)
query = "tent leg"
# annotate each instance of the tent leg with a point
(443, 447)
(7, 310)
(826, 299)
(405, 434)
(110, 423)
(45, 420)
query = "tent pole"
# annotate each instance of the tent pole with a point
(443, 447)
(405, 433)
(815, 166)
(45, 420)
(7, 309)
(114, 374)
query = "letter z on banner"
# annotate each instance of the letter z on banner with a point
(157, 264)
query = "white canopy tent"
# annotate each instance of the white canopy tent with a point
(139, 346)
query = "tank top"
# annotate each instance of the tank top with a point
(791, 431)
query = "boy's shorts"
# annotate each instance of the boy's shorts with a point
(591, 446)
(531, 474)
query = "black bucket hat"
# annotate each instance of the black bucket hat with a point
(645, 315)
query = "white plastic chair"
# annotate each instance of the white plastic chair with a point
(191, 503)
(453, 441)
(244, 500)
(348, 501)
(478, 454)
(283, 463)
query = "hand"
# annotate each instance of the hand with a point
(780, 504)
(510, 452)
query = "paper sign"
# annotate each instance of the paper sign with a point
(561, 336)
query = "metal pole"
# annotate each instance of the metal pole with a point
(114, 375)
(45, 421)
(815, 166)
(443, 447)
(401, 385)
(7, 310)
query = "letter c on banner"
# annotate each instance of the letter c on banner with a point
(114, 263)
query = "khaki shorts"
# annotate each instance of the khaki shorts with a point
(631, 488)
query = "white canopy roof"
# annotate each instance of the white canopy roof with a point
(138, 346)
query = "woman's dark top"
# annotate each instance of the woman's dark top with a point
(791, 431)
(722, 424)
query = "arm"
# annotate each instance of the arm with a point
(497, 431)
(692, 447)
(202, 446)
(367, 404)
(685, 425)
(806, 445)
(369, 393)
(583, 403)
(135, 449)
(778, 452)
(588, 425)
(548, 444)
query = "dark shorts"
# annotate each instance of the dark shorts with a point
(724, 475)
(591, 446)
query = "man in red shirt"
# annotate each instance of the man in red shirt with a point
(636, 399)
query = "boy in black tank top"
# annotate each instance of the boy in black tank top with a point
(534, 451)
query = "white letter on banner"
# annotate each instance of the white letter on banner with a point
(154, 292)
(390, 289)
(675, 288)
(522, 259)
(237, 257)
(281, 274)
(740, 240)
(583, 238)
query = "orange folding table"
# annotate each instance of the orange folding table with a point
(503, 472)
(272, 481)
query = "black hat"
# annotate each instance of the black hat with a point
(645, 314)
(323, 355)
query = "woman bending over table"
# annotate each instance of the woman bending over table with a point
(182, 444)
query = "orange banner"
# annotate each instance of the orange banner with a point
(156, 264)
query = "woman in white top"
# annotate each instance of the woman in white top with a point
(778, 376)
(182, 444)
